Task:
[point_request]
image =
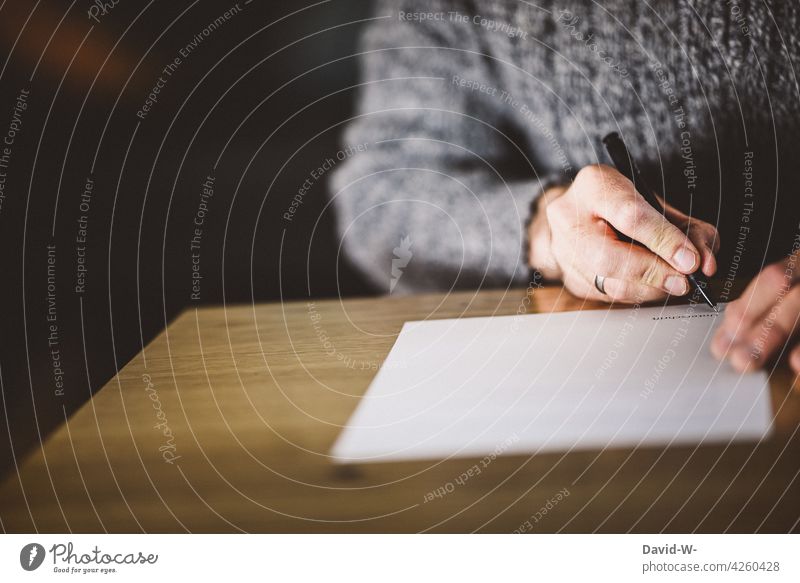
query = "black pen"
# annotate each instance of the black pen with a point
(625, 164)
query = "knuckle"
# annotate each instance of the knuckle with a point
(652, 274)
(707, 233)
(661, 239)
(711, 231)
(627, 213)
(599, 177)
(735, 310)
(556, 212)
(773, 276)
(591, 174)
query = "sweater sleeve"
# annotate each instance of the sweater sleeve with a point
(425, 199)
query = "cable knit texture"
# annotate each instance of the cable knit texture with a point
(466, 112)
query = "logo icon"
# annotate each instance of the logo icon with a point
(402, 255)
(31, 556)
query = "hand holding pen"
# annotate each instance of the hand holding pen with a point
(626, 165)
(584, 230)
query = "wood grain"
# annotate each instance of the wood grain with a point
(254, 397)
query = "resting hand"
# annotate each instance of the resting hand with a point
(764, 321)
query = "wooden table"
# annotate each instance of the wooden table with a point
(224, 421)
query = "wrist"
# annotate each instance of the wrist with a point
(540, 255)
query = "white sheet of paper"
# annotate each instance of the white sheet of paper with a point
(554, 382)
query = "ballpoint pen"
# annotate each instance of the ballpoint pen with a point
(625, 164)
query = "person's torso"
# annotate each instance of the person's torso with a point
(704, 94)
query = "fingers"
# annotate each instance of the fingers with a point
(631, 293)
(627, 211)
(756, 345)
(706, 239)
(583, 226)
(704, 236)
(760, 295)
(633, 265)
(593, 250)
(760, 323)
(616, 290)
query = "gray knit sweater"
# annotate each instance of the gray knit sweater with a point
(467, 109)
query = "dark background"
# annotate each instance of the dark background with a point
(272, 86)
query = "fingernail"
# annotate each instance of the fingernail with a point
(677, 285)
(685, 259)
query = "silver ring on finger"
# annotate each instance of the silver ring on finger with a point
(600, 284)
